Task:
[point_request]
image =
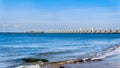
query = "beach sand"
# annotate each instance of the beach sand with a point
(80, 63)
(98, 64)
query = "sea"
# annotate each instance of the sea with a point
(56, 47)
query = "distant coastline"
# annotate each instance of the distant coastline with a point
(55, 33)
(70, 31)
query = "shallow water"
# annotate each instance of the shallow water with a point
(57, 47)
(102, 64)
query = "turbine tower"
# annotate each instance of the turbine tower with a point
(4, 27)
(15, 28)
(92, 30)
(118, 30)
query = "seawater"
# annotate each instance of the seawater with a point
(57, 47)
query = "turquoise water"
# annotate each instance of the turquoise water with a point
(57, 47)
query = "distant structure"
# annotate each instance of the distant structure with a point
(118, 30)
(15, 28)
(80, 30)
(4, 27)
(32, 31)
(89, 30)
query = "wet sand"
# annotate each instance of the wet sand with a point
(96, 64)
(80, 63)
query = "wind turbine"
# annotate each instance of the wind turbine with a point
(4, 27)
(15, 28)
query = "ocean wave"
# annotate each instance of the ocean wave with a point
(29, 66)
(57, 52)
(111, 51)
(99, 56)
(23, 46)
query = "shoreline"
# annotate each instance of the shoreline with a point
(80, 63)
(59, 64)
(44, 63)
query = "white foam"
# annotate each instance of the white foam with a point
(29, 66)
(115, 50)
(23, 46)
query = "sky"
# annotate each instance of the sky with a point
(26, 15)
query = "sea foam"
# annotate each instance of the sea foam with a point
(114, 50)
(29, 66)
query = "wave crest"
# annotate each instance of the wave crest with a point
(111, 51)
(29, 66)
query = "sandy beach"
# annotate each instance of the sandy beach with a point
(76, 64)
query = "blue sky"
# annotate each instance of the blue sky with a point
(59, 14)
